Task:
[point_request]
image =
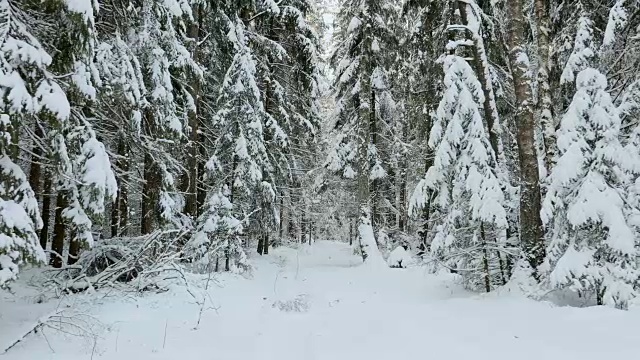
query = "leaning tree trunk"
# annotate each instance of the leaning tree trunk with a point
(481, 67)
(530, 222)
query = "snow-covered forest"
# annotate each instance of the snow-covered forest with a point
(154, 147)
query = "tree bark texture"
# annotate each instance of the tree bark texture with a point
(530, 222)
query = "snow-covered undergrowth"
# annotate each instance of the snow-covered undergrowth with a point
(315, 302)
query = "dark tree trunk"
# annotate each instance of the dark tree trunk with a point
(373, 136)
(148, 207)
(74, 251)
(350, 232)
(202, 192)
(123, 200)
(281, 218)
(599, 295)
(485, 260)
(35, 172)
(402, 224)
(260, 244)
(265, 245)
(193, 148)
(115, 216)
(402, 205)
(426, 213)
(47, 196)
(119, 209)
(59, 236)
(302, 227)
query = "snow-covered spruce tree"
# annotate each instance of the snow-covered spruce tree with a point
(576, 35)
(337, 197)
(300, 120)
(425, 37)
(193, 88)
(593, 247)
(27, 89)
(284, 47)
(120, 102)
(264, 84)
(478, 26)
(471, 219)
(240, 154)
(85, 177)
(583, 34)
(272, 46)
(19, 214)
(360, 80)
(619, 54)
(165, 63)
(217, 233)
(129, 71)
(582, 51)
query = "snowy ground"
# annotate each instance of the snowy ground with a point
(319, 303)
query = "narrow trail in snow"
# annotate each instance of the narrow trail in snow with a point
(317, 302)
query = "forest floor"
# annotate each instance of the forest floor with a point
(315, 303)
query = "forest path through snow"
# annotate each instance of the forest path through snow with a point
(319, 303)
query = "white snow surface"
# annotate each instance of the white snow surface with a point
(318, 303)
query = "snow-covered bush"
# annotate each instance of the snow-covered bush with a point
(400, 258)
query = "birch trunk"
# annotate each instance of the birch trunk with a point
(530, 223)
